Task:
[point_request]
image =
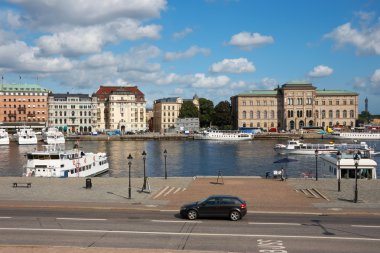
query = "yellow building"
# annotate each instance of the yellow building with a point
(293, 106)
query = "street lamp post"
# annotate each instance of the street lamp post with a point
(129, 175)
(166, 172)
(356, 159)
(338, 157)
(144, 158)
(316, 165)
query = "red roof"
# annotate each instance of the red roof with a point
(105, 91)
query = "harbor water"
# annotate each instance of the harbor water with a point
(184, 158)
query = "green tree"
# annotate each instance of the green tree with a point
(188, 110)
(364, 118)
(222, 116)
(206, 112)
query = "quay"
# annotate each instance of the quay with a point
(262, 195)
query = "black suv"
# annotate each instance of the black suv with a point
(216, 206)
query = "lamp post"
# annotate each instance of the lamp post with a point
(316, 165)
(129, 175)
(144, 158)
(356, 159)
(338, 157)
(166, 172)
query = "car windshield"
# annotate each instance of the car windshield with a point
(202, 201)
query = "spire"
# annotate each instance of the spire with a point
(366, 104)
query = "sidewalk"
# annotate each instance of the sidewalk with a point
(262, 195)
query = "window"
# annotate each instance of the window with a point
(351, 113)
(337, 102)
(337, 114)
(323, 114)
(251, 114)
(258, 114)
(344, 114)
(330, 113)
(244, 114)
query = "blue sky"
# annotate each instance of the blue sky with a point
(212, 48)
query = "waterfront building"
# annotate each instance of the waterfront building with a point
(166, 112)
(187, 124)
(72, 113)
(23, 104)
(293, 106)
(122, 108)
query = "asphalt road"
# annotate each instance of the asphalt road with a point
(134, 228)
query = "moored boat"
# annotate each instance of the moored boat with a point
(4, 138)
(26, 136)
(54, 162)
(355, 135)
(52, 135)
(223, 135)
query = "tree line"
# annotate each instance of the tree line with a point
(209, 116)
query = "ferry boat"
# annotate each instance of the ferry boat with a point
(54, 162)
(52, 135)
(223, 135)
(356, 135)
(299, 148)
(26, 136)
(345, 167)
(4, 138)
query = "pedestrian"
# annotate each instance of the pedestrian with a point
(282, 174)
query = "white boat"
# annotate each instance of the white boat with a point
(26, 136)
(299, 148)
(356, 135)
(4, 138)
(52, 135)
(223, 135)
(54, 162)
(345, 167)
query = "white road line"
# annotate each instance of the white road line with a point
(364, 226)
(162, 191)
(274, 223)
(5, 217)
(176, 221)
(82, 219)
(171, 189)
(162, 233)
(178, 189)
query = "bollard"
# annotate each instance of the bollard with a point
(88, 183)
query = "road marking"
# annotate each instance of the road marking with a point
(171, 189)
(178, 189)
(162, 191)
(274, 223)
(155, 233)
(176, 221)
(5, 217)
(364, 226)
(82, 219)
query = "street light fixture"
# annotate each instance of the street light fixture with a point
(166, 172)
(356, 159)
(144, 158)
(338, 157)
(316, 164)
(129, 175)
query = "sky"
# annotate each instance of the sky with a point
(212, 48)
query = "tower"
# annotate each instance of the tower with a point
(366, 104)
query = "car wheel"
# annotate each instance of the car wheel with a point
(192, 214)
(235, 215)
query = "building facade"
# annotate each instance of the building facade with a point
(166, 112)
(122, 108)
(23, 104)
(73, 113)
(293, 106)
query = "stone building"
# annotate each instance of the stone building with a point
(121, 108)
(72, 113)
(23, 104)
(293, 106)
(166, 112)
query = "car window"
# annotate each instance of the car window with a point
(227, 201)
(211, 202)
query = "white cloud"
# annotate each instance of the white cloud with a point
(189, 53)
(269, 83)
(42, 13)
(238, 84)
(86, 40)
(321, 71)
(247, 41)
(366, 40)
(182, 34)
(240, 65)
(202, 81)
(375, 78)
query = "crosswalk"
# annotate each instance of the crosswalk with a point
(313, 193)
(165, 191)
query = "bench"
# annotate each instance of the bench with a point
(27, 185)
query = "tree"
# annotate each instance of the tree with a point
(364, 118)
(206, 112)
(188, 110)
(222, 116)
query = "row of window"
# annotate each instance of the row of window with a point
(298, 101)
(24, 112)
(64, 121)
(72, 106)
(24, 100)
(64, 113)
(258, 115)
(24, 106)
(11, 119)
